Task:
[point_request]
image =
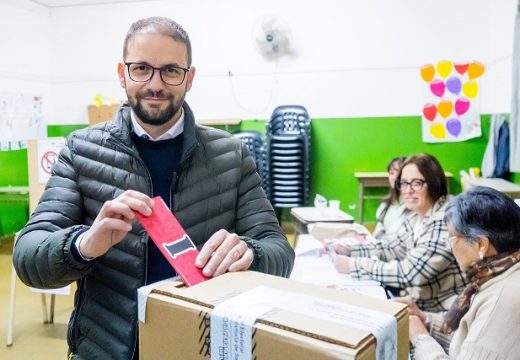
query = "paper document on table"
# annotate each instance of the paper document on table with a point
(307, 244)
(319, 270)
(324, 230)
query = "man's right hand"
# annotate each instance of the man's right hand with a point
(113, 222)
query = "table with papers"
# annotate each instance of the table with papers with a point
(313, 265)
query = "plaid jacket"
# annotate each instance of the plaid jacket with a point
(417, 259)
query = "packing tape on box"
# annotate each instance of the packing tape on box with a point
(142, 297)
(232, 321)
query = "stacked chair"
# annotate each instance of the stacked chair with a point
(288, 139)
(255, 145)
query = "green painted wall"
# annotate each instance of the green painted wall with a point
(13, 164)
(340, 147)
(13, 208)
(63, 130)
(344, 146)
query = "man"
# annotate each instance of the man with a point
(84, 227)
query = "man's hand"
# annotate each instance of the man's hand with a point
(113, 222)
(224, 252)
(341, 262)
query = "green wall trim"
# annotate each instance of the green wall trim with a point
(63, 130)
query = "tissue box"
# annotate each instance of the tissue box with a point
(176, 321)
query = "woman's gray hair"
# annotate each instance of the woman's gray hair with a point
(159, 25)
(483, 211)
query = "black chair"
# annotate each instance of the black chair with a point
(255, 145)
(288, 139)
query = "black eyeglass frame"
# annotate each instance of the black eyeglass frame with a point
(185, 70)
(419, 184)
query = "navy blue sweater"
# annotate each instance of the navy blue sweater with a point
(161, 158)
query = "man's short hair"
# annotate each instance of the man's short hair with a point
(159, 25)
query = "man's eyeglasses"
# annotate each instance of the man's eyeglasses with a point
(170, 74)
(415, 184)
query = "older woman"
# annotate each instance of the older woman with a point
(484, 227)
(418, 258)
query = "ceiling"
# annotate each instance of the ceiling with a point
(68, 3)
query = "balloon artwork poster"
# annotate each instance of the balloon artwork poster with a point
(451, 112)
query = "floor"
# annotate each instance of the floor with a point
(32, 338)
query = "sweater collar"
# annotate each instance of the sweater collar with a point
(171, 133)
(121, 128)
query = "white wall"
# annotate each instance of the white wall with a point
(351, 57)
(24, 47)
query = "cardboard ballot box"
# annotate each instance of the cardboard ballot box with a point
(97, 114)
(177, 321)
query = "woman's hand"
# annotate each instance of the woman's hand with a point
(341, 263)
(413, 309)
(342, 249)
(416, 328)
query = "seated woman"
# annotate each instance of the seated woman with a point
(484, 225)
(418, 258)
(391, 212)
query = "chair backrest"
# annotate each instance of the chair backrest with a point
(288, 140)
(289, 119)
(253, 140)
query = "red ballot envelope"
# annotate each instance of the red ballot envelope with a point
(172, 240)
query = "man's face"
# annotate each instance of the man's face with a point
(155, 102)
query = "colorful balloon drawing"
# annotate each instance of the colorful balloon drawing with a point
(462, 105)
(429, 111)
(461, 68)
(445, 108)
(470, 89)
(475, 69)
(444, 68)
(453, 85)
(454, 126)
(437, 87)
(427, 72)
(438, 131)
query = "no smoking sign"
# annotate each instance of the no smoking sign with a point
(48, 160)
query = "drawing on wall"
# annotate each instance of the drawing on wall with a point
(451, 112)
(21, 117)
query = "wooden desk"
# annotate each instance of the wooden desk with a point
(213, 122)
(501, 185)
(303, 216)
(374, 180)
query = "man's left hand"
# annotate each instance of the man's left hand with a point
(224, 252)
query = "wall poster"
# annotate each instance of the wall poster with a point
(451, 112)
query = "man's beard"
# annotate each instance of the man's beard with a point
(159, 117)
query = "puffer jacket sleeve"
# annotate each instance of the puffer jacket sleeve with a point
(257, 225)
(42, 256)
